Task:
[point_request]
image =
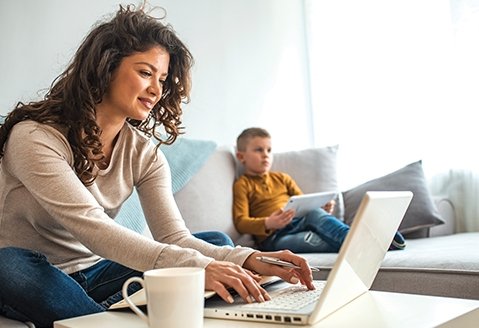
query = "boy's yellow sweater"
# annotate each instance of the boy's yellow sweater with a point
(257, 197)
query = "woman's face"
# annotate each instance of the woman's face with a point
(136, 85)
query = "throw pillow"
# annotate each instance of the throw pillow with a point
(422, 212)
(313, 169)
(185, 157)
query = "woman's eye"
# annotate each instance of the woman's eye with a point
(146, 73)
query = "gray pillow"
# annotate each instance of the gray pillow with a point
(422, 212)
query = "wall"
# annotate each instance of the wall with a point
(250, 60)
(382, 77)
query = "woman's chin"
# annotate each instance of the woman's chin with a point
(140, 117)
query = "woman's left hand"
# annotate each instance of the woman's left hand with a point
(222, 275)
(303, 275)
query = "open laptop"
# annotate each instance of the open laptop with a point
(305, 203)
(377, 219)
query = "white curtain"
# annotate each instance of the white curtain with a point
(397, 81)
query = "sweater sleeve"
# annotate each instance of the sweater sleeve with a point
(167, 225)
(40, 158)
(291, 185)
(243, 222)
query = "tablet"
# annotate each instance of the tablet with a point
(305, 203)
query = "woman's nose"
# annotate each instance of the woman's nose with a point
(155, 89)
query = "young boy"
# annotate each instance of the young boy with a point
(260, 195)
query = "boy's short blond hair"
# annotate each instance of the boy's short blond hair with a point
(248, 134)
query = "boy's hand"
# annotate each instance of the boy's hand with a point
(279, 219)
(329, 207)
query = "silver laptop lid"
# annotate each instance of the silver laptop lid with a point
(373, 228)
(377, 219)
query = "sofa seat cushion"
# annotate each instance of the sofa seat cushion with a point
(453, 252)
(8, 323)
(441, 266)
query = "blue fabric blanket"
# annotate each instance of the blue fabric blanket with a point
(185, 157)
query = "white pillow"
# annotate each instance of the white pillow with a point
(313, 169)
(206, 202)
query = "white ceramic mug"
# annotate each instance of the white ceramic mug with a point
(175, 297)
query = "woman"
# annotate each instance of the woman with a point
(69, 161)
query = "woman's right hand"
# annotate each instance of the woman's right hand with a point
(221, 276)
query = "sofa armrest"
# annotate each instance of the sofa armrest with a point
(448, 214)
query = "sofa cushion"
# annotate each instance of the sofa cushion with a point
(422, 212)
(8, 323)
(185, 157)
(313, 169)
(441, 266)
(206, 202)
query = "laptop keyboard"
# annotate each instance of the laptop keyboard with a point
(291, 298)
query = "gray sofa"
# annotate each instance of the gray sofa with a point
(436, 261)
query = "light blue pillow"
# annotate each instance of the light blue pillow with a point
(185, 157)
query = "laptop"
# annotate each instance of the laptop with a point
(305, 203)
(372, 231)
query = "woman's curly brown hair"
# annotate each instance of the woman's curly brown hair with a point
(73, 95)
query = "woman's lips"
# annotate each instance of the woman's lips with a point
(147, 103)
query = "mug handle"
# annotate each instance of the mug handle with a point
(127, 297)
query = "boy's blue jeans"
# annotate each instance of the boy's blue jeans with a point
(316, 232)
(31, 289)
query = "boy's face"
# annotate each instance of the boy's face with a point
(257, 157)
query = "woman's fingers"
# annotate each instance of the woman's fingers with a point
(303, 274)
(226, 277)
(248, 289)
(253, 275)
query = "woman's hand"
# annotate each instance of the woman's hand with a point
(221, 276)
(303, 275)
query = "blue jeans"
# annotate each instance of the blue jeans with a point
(316, 232)
(217, 238)
(31, 289)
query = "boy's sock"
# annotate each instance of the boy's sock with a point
(398, 242)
